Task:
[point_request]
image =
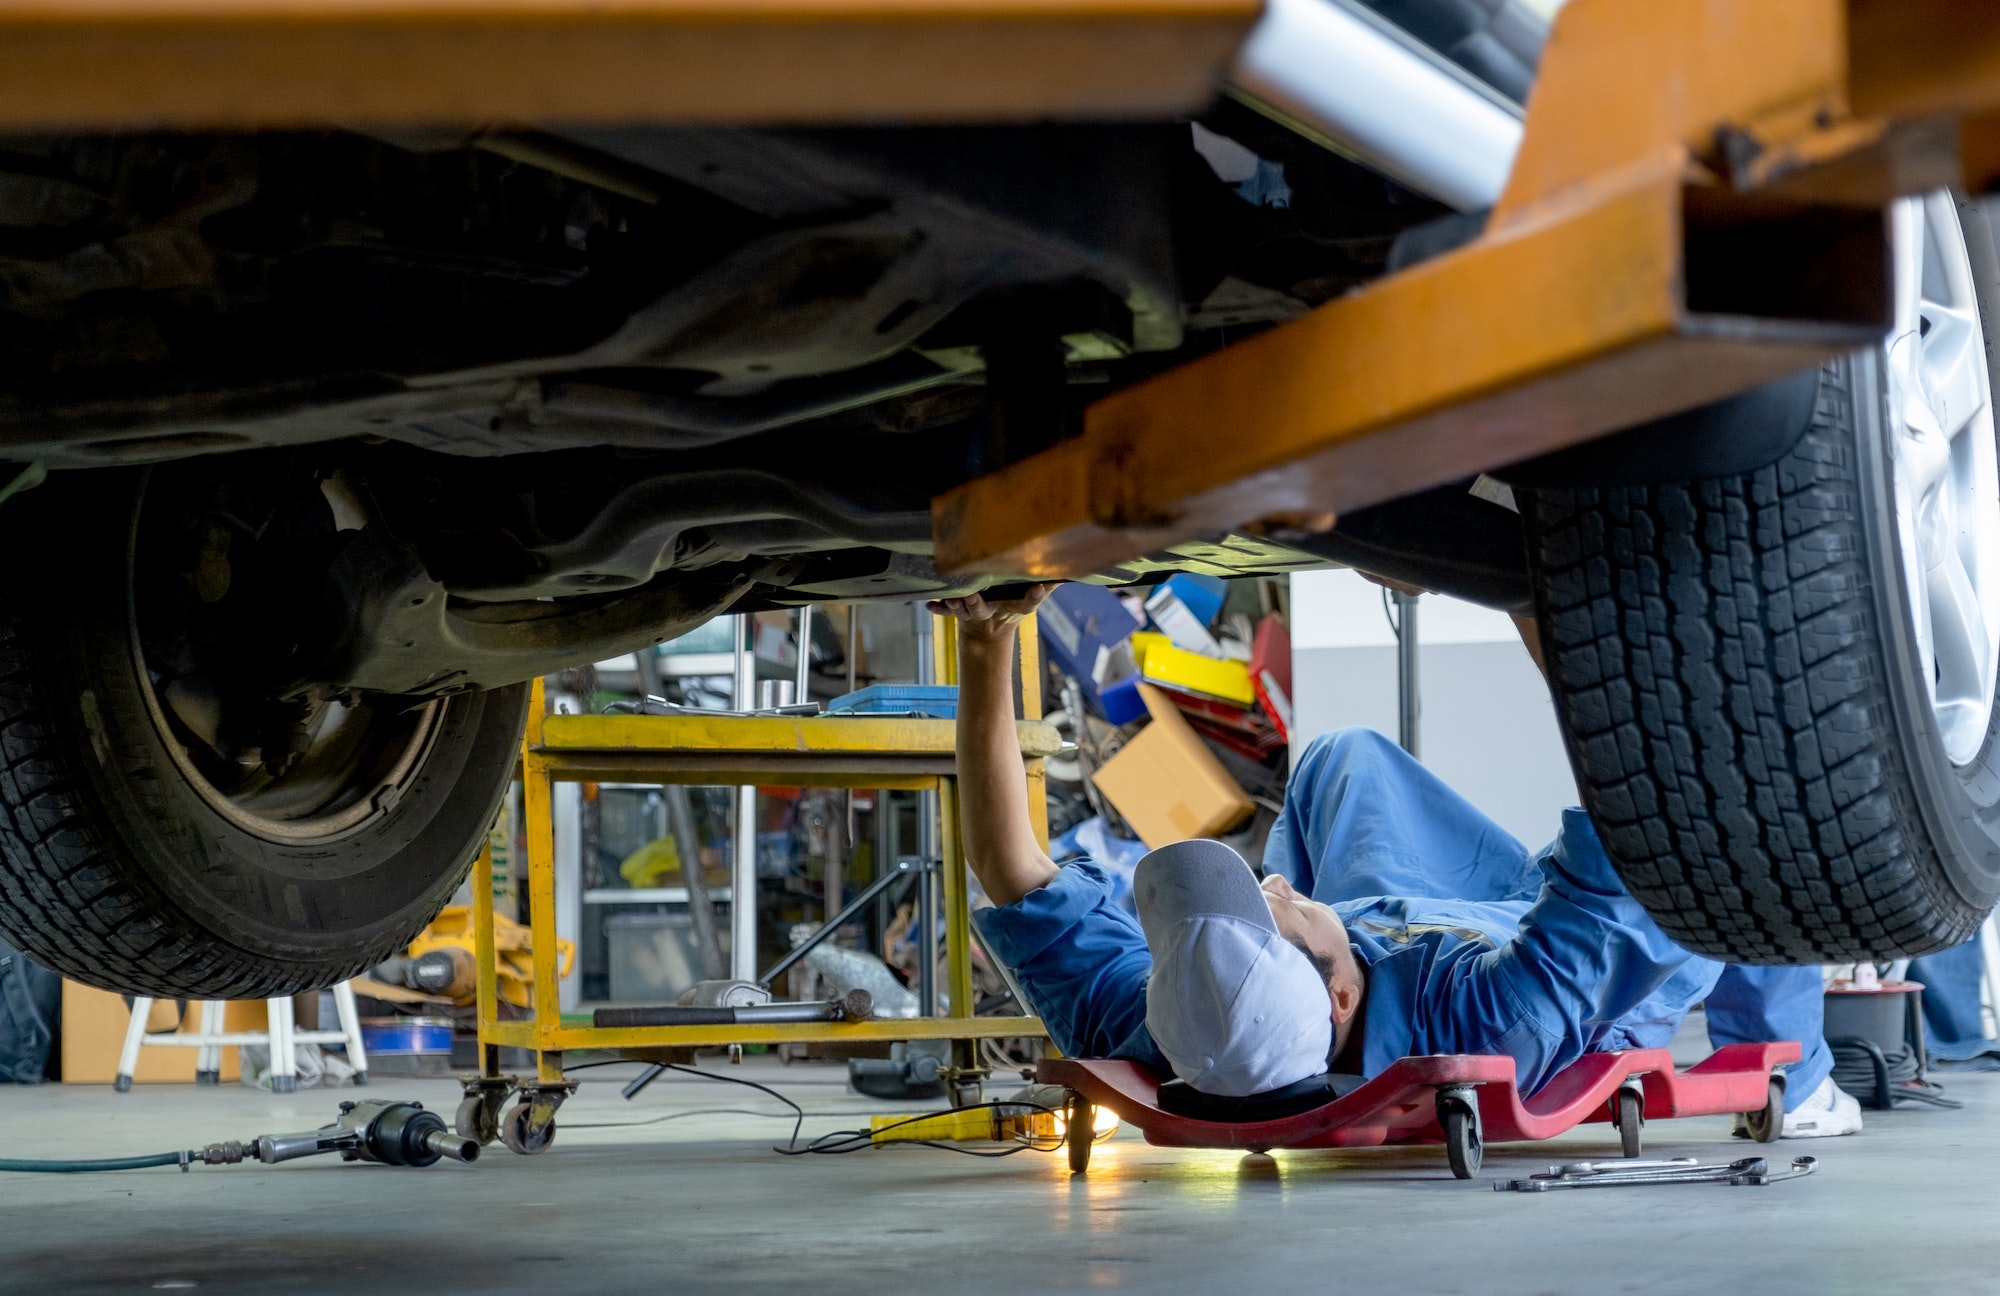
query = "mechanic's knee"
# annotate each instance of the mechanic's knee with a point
(1345, 752)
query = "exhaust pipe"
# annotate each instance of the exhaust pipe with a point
(1342, 76)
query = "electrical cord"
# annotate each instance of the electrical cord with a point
(841, 1141)
(633, 1090)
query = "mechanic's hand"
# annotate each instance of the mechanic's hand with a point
(980, 620)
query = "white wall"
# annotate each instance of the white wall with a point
(1486, 725)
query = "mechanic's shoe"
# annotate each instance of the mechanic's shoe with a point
(1830, 1111)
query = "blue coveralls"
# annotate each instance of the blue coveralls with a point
(1954, 1025)
(1470, 944)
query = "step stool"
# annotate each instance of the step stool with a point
(280, 1038)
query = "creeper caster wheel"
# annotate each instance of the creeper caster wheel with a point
(1079, 1131)
(1458, 1116)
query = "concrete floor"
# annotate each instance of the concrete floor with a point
(700, 1203)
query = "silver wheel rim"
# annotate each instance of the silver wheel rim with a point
(1947, 487)
(301, 812)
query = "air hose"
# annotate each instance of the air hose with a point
(384, 1131)
(40, 1166)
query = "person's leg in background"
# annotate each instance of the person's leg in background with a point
(1363, 817)
(1954, 1024)
(1755, 1005)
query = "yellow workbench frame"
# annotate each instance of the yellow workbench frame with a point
(880, 752)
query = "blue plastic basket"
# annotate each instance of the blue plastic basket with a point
(939, 700)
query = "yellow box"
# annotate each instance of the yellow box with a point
(1177, 668)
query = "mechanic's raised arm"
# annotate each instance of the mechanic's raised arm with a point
(993, 795)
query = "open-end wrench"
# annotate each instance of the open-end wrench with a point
(1750, 1171)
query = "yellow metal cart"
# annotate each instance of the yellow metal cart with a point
(876, 752)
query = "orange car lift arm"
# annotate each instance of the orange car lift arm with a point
(1695, 210)
(129, 64)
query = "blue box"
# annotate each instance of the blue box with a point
(1078, 622)
(1201, 595)
(1121, 703)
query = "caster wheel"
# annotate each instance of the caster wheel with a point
(967, 1093)
(1080, 1131)
(1463, 1145)
(519, 1135)
(1768, 1124)
(1628, 1114)
(476, 1120)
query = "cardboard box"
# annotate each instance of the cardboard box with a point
(93, 1034)
(1166, 782)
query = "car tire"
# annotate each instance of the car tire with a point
(1784, 732)
(120, 869)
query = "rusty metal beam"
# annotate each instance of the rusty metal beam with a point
(271, 63)
(1621, 278)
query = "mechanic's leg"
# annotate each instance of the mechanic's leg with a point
(1364, 818)
(1954, 1027)
(1755, 1005)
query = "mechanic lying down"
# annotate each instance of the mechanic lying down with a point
(1395, 919)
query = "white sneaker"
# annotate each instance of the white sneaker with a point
(1830, 1111)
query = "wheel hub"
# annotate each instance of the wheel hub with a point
(1947, 486)
(208, 590)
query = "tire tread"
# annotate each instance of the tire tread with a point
(1718, 672)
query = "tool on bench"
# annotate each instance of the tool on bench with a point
(855, 1005)
(1750, 1171)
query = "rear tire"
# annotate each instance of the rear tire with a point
(1743, 688)
(120, 869)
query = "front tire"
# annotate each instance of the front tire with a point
(1777, 688)
(122, 867)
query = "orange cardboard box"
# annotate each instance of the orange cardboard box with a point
(93, 1033)
(1167, 783)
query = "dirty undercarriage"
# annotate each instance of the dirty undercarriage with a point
(543, 397)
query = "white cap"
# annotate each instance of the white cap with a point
(1234, 1006)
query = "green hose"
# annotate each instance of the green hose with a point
(107, 1163)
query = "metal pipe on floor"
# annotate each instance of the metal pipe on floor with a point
(1339, 73)
(860, 902)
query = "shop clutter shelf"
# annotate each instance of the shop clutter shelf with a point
(852, 751)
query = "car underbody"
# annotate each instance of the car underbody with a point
(328, 440)
(528, 400)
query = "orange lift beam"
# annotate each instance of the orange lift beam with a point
(129, 64)
(1696, 209)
